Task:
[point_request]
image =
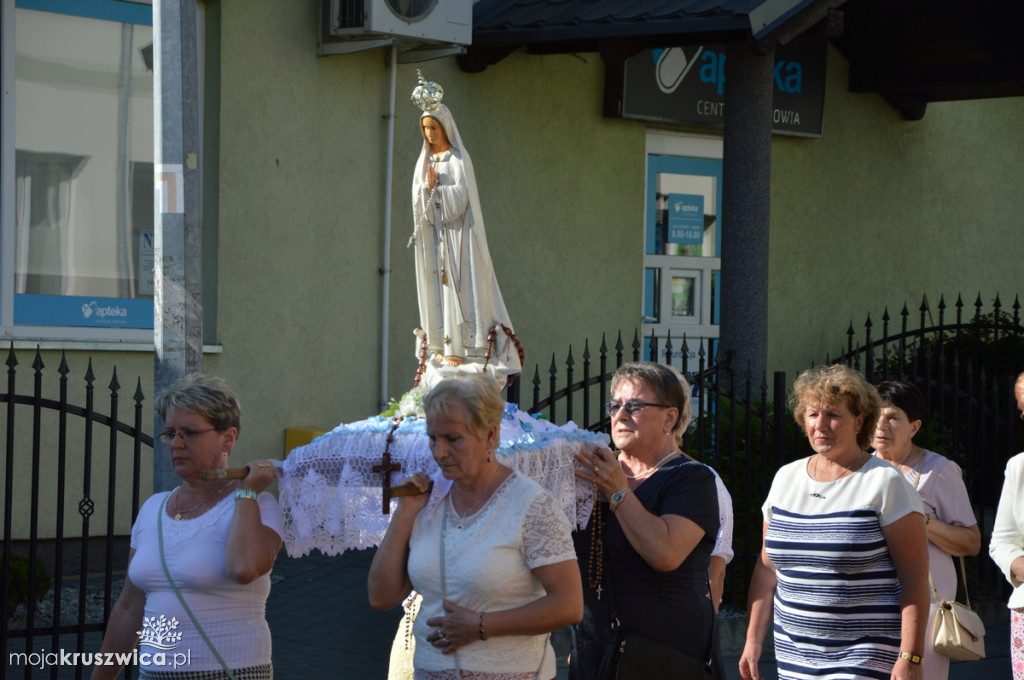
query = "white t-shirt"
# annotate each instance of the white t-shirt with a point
(232, 614)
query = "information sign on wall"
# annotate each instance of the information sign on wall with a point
(686, 219)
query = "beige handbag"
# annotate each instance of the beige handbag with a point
(958, 631)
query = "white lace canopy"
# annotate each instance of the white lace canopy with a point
(331, 497)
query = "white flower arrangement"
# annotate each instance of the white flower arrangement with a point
(409, 406)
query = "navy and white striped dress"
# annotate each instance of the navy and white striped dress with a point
(836, 607)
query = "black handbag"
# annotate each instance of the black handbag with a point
(633, 656)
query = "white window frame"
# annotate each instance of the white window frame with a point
(49, 336)
(695, 146)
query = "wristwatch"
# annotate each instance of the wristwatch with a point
(617, 498)
(912, 658)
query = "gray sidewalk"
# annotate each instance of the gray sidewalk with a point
(323, 627)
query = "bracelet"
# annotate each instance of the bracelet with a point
(617, 498)
(912, 658)
(247, 493)
(482, 636)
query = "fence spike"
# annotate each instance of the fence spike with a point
(139, 396)
(12, 360)
(977, 309)
(90, 377)
(652, 346)
(114, 385)
(63, 369)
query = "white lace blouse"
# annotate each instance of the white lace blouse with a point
(489, 557)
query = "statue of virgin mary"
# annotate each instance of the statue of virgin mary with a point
(464, 325)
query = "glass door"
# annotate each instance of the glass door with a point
(682, 257)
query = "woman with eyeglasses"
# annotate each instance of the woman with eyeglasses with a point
(645, 552)
(199, 567)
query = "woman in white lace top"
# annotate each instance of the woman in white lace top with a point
(215, 541)
(491, 556)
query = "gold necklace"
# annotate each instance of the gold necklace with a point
(463, 516)
(179, 512)
(651, 471)
(846, 470)
(814, 474)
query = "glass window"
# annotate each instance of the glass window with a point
(83, 175)
(682, 250)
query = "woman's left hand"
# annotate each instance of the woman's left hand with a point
(262, 474)
(458, 628)
(601, 467)
(904, 670)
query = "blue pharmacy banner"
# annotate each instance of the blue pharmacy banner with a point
(686, 219)
(94, 312)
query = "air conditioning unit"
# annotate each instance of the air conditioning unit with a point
(420, 21)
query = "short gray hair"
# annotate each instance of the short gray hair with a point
(211, 398)
(663, 381)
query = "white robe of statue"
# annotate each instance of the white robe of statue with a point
(457, 290)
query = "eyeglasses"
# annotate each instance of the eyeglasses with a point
(167, 436)
(632, 407)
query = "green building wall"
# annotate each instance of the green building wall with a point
(877, 212)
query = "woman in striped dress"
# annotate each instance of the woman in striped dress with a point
(845, 561)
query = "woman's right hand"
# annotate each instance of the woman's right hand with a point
(601, 468)
(415, 502)
(431, 177)
(748, 662)
(1017, 571)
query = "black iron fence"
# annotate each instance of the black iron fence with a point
(72, 473)
(965, 367)
(71, 479)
